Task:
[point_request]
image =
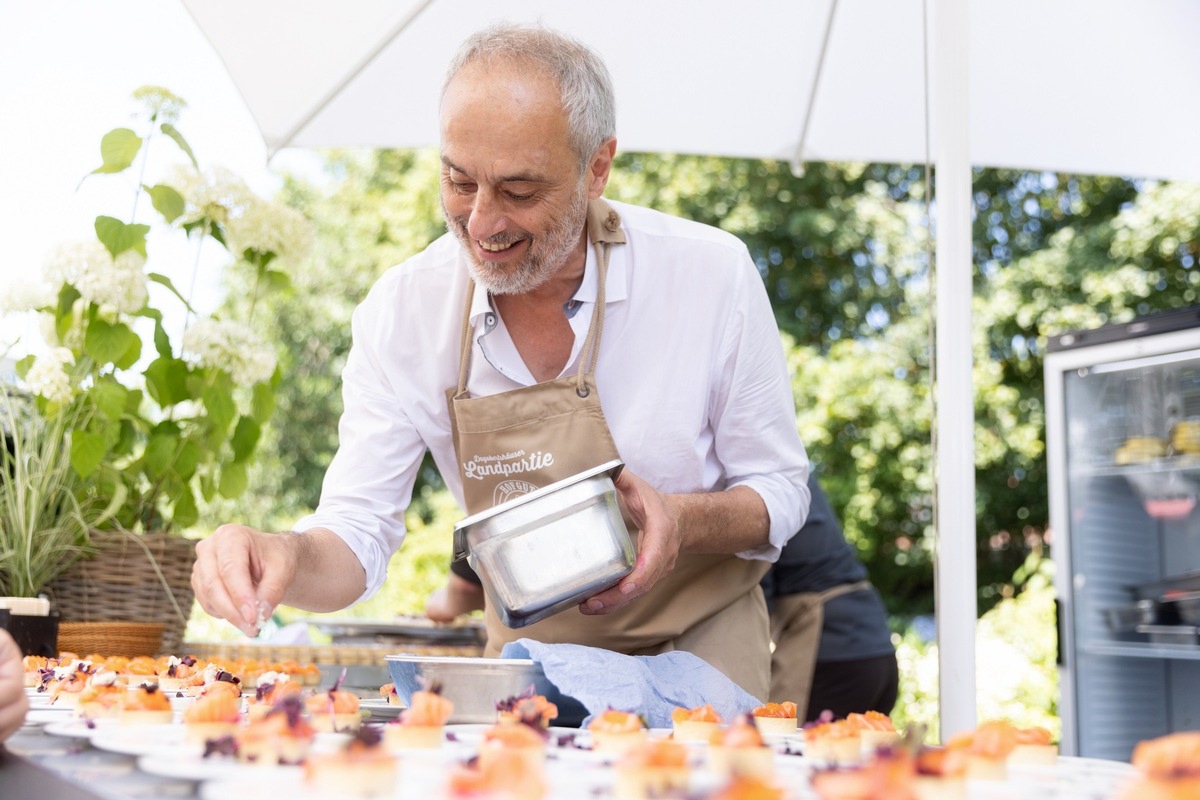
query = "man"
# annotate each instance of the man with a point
(497, 342)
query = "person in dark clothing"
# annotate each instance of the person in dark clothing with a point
(833, 649)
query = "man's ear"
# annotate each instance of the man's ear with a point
(600, 167)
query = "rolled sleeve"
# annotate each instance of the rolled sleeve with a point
(755, 419)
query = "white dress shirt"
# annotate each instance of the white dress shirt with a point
(691, 374)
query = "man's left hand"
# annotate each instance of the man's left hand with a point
(660, 540)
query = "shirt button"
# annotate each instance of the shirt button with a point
(490, 321)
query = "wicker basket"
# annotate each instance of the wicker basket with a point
(110, 638)
(131, 578)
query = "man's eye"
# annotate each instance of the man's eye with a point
(520, 197)
(462, 187)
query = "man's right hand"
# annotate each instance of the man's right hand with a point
(241, 574)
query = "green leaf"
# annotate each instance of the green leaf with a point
(221, 409)
(163, 280)
(277, 281)
(262, 403)
(186, 460)
(87, 450)
(109, 397)
(112, 343)
(185, 513)
(233, 480)
(24, 364)
(166, 201)
(160, 452)
(166, 380)
(119, 237)
(118, 148)
(173, 132)
(162, 342)
(245, 438)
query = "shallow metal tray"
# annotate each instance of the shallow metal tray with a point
(475, 685)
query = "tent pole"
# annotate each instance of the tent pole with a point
(955, 577)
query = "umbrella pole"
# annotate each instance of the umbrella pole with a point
(955, 579)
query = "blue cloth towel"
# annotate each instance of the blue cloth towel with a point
(648, 685)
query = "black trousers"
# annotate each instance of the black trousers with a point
(846, 687)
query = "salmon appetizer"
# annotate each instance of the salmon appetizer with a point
(145, 705)
(506, 775)
(740, 750)
(776, 719)
(529, 708)
(657, 768)
(1169, 768)
(388, 692)
(335, 710)
(422, 724)
(695, 724)
(617, 732)
(362, 769)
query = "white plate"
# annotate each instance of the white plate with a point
(139, 740)
(78, 728)
(380, 709)
(192, 766)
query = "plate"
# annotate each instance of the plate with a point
(138, 740)
(78, 728)
(380, 708)
(192, 766)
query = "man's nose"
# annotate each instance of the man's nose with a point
(487, 215)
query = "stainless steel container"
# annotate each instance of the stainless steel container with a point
(475, 685)
(550, 549)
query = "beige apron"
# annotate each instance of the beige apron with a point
(511, 443)
(796, 622)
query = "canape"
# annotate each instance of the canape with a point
(695, 724)
(422, 724)
(363, 768)
(776, 719)
(617, 732)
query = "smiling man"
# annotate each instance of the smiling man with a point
(492, 349)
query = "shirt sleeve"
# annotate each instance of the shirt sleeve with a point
(754, 414)
(369, 483)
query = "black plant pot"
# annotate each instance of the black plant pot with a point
(36, 636)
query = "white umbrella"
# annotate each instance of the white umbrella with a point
(1103, 87)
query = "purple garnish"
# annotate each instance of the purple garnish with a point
(188, 661)
(368, 736)
(221, 746)
(228, 677)
(451, 737)
(90, 723)
(292, 706)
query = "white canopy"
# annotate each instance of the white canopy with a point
(1103, 86)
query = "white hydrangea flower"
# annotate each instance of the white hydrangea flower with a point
(72, 337)
(232, 347)
(216, 195)
(25, 295)
(266, 227)
(48, 376)
(117, 287)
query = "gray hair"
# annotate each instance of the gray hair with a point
(582, 79)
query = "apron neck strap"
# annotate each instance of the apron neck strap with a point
(604, 230)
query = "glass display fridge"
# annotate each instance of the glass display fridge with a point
(1123, 450)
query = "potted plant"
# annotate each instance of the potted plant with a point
(44, 517)
(160, 422)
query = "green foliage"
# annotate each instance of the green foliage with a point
(43, 522)
(149, 438)
(1016, 643)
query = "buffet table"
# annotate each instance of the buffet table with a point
(55, 756)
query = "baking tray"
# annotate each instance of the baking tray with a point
(475, 685)
(1154, 590)
(1171, 634)
(418, 628)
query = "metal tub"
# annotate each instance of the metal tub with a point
(475, 685)
(550, 549)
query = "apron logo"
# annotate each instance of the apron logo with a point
(507, 490)
(514, 463)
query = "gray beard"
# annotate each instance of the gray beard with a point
(546, 254)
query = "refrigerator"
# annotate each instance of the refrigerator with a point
(1123, 451)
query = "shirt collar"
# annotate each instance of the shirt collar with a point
(615, 287)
